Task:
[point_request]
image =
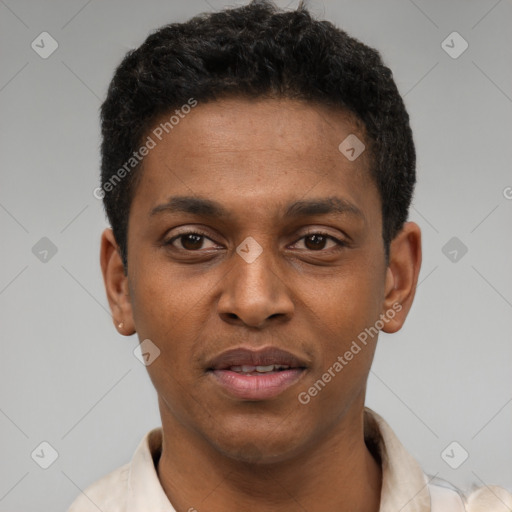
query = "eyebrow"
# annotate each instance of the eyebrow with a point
(209, 208)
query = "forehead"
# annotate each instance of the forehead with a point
(268, 150)
(236, 125)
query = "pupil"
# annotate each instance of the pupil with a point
(196, 241)
(320, 241)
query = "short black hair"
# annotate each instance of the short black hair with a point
(255, 51)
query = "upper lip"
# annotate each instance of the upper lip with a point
(262, 357)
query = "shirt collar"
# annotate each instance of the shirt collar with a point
(144, 489)
(404, 485)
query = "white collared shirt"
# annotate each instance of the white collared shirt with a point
(135, 487)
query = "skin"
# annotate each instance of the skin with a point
(197, 299)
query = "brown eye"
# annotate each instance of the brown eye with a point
(189, 241)
(317, 242)
(192, 241)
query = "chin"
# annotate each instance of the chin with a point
(253, 449)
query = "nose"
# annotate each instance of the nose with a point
(254, 293)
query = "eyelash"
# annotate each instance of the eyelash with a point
(340, 243)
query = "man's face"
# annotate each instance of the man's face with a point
(196, 296)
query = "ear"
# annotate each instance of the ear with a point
(116, 284)
(402, 276)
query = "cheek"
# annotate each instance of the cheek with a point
(171, 310)
(346, 314)
(164, 299)
(350, 302)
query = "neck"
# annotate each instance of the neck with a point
(335, 474)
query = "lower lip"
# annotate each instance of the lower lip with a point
(257, 387)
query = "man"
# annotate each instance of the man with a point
(257, 170)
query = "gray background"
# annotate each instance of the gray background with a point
(68, 378)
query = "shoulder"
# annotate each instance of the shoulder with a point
(107, 494)
(129, 485)
(447, 498)
(490, 498)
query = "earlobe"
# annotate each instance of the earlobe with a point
(402, 276)
(116, 284)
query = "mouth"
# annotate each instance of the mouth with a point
(256, 375)
(248, 369)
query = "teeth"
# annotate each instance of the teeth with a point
(249, 369)
(268, 368)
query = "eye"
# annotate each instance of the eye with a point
(195, 240)
(316, 241)
(190, 241)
